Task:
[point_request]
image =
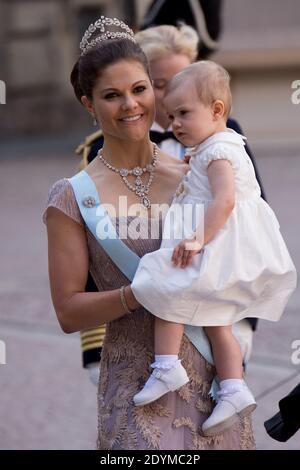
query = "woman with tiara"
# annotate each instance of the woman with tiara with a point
(112, 79)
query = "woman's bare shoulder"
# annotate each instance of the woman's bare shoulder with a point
(173, 164)
(92, 167)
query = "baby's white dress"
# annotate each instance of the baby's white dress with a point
(244, 271)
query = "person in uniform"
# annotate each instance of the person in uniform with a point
(284, 424)
(203, 15)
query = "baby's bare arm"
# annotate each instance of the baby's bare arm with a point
(221, 179)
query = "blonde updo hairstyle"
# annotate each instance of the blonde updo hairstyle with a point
(160, 41)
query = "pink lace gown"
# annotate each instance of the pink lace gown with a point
(174, 421)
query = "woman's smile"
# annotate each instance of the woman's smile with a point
(132, 119)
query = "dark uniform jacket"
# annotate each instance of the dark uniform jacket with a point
(286, 422)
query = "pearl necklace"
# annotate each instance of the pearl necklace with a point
(138, 187)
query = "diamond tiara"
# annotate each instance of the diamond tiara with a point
(101, 23)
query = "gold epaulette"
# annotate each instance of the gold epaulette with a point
(93, 338)
(86, 146)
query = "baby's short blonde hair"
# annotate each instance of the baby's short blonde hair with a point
(161, 41)
(211, 80)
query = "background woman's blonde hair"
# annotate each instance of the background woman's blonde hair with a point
(160, 41)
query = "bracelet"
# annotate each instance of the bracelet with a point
(123, 300)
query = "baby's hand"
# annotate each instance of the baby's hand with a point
(186, 159)
(185, 251)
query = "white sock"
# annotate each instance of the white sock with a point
(166, 361)
(233, 385)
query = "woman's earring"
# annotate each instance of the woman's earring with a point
(95, 123)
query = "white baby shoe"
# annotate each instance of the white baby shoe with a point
(232, 405)
(161, 382)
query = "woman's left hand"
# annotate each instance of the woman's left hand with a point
(185, 251)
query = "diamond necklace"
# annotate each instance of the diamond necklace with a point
(140, 189)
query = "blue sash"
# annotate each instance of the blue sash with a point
(100, 225)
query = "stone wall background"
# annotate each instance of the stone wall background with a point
(260, 46)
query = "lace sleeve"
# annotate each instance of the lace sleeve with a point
(220, 152)
(62, 197)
